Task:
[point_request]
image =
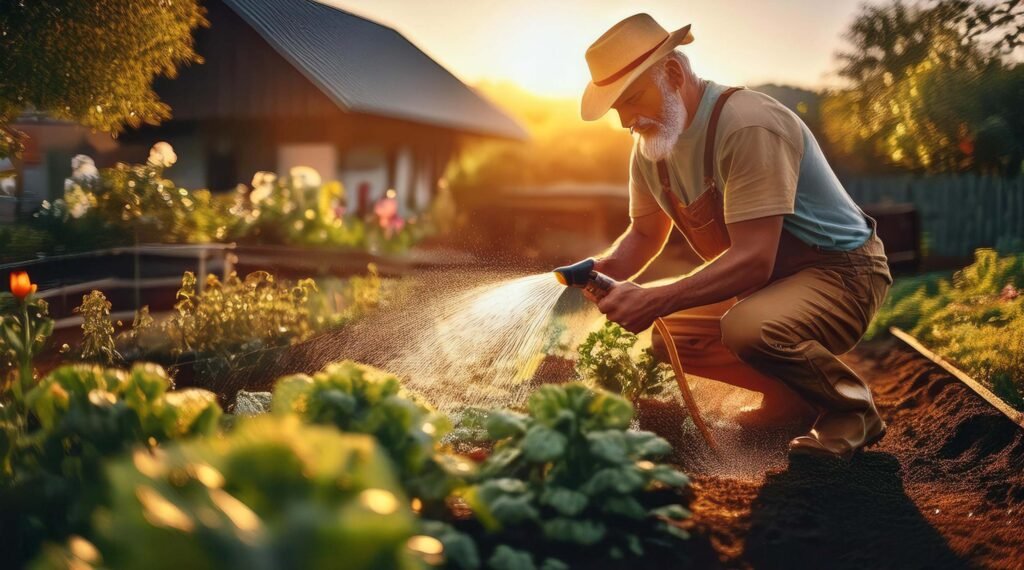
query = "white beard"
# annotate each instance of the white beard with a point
(657, 145)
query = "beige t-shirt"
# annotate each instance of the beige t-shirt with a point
(758, 148)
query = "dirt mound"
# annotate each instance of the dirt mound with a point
(944, 489)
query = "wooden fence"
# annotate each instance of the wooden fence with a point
(958, 213)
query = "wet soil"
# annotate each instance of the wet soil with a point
(943, 489)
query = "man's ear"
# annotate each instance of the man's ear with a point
(674, 70)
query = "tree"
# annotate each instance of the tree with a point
(922, 80)
(91, 61)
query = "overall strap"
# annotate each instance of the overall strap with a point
(709, 146)
(709, 138)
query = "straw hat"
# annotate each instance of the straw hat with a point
(620, 55)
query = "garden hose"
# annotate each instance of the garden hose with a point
(583, 276)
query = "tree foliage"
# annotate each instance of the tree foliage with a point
(91, 61)
(931, 87)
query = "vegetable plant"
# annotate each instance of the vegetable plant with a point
(77, 416)
(569, 485)
(362, 399)
(605, 359)
(274, 494)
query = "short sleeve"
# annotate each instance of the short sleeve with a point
(760, 170)
(641, 201)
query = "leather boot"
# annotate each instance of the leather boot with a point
(840, 434)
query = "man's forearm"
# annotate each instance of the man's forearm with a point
(727, 276)
(630, 254)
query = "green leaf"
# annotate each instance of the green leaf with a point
(609, 411)
(674, 512)
(543, 444)
(669, 476)
(553, 564)
(508, 558)
(546, 403)
(502, 462)
(291, 394)
(646, 444)
(567, 502)
(609, 445)
(459, 548)
(585, 532)
(625, 506)
(505, 424)
(618, 479)
(514, 510)
(11, 336)
(189, 411)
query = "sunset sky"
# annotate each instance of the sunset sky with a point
(539, 44)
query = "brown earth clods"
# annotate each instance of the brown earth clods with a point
(943, 489)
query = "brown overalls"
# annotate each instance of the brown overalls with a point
(817, 304)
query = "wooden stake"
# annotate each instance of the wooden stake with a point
(1015, 416)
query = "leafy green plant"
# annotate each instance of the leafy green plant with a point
(976, 319)
(97, 330)
(274, 493)
(569, 485)
(236, 312)
(358, 398)
(78, 415)
(606, 361)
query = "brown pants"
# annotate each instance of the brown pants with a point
(791, 330)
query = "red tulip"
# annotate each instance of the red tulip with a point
(21, 285)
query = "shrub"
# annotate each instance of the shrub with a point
(568, 485)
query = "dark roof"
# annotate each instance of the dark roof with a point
(366, 67)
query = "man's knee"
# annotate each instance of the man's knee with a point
(742, 335)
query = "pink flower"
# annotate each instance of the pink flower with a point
(386, 209)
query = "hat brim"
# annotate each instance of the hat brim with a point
(598, 99)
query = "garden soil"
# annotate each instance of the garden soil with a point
(943, 489)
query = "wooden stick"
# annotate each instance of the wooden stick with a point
(986, 394)
(684, 386)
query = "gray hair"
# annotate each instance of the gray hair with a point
(683, 61)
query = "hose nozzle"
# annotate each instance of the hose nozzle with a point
(582, 275)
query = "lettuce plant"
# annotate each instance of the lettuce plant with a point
(273, 494)
(362, 399)
(569, 485)
(77, 416)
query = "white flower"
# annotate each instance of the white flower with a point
(83, 169)
(305, 177)
(263, 178)
(78, 201)
(262, 186)
(162, 155)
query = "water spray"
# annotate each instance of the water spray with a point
(582, 275)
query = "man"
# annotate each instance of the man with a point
(794, 271)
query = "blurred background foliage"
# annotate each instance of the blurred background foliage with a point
(91, 62)
(929, 87)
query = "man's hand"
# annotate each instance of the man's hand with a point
(630, 305)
